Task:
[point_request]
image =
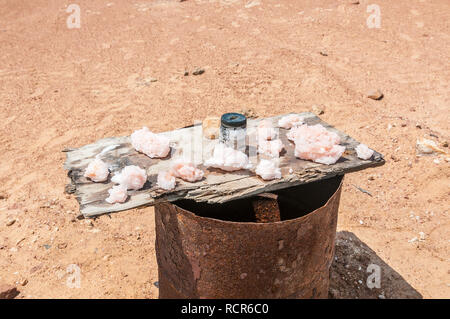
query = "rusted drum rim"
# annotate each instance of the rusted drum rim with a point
(192, 215)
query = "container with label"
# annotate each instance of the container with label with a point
(233, 131)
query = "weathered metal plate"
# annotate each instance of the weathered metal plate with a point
(216, 187)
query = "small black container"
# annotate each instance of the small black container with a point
(233, 130)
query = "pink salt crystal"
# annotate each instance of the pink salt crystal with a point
(316, 143)
(268, 170)
(266, 131)
(290, 120)
(319, 154)
(313, 133)
(97, 171)
(228, 159)
(166, 180)
(151, 144)
(117, 194)
(132, 177)
(363, 152)
(270, 148)
(187, 171)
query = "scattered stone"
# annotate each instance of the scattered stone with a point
(47, 246)
(436, 161)
(403, 124)
(106, 257)
(186, 73)
(444, 144)
(425, 147)
(395, 158)
(422, 236)
(10, 222)
(375, 95)
(318, 109)
(381, 297)
(413, 240)
(252, 4)
(62, 245)
(24, 282)
(371, 177)
(198, 71)
(8, 292)
(249, 113)
(418, 126)
(323, 53)
(156, 283)
(211, 127)
(3, 196)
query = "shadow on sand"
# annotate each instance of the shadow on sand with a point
(349, 274)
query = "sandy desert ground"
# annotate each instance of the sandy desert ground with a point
(62, 87)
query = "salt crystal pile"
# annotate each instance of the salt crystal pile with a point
(132, 177)
(151, 144)
(290, 121)
(363, 152)
(117, 194)
(270, 148)
(187, 171)
(228, 159)
(266, 131)
(268, 170)
(97, 171)
(166, 180)
(316, 143)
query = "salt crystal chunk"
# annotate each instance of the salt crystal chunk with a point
(228, 159)
(290, 120)
(187, 171)
(132, 177)
(97, 171)
(270, 148)
(316, 143)
(266, 131)
(268, 170)
(363, 152)
(151, 144)
(117, 194)
(166, 180)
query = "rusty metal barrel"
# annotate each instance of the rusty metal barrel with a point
(219, 251)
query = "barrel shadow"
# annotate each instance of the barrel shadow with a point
(349, 273)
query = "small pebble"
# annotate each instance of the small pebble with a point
(318, 109)
(10, 222)
(375, 94)
(198, 71)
